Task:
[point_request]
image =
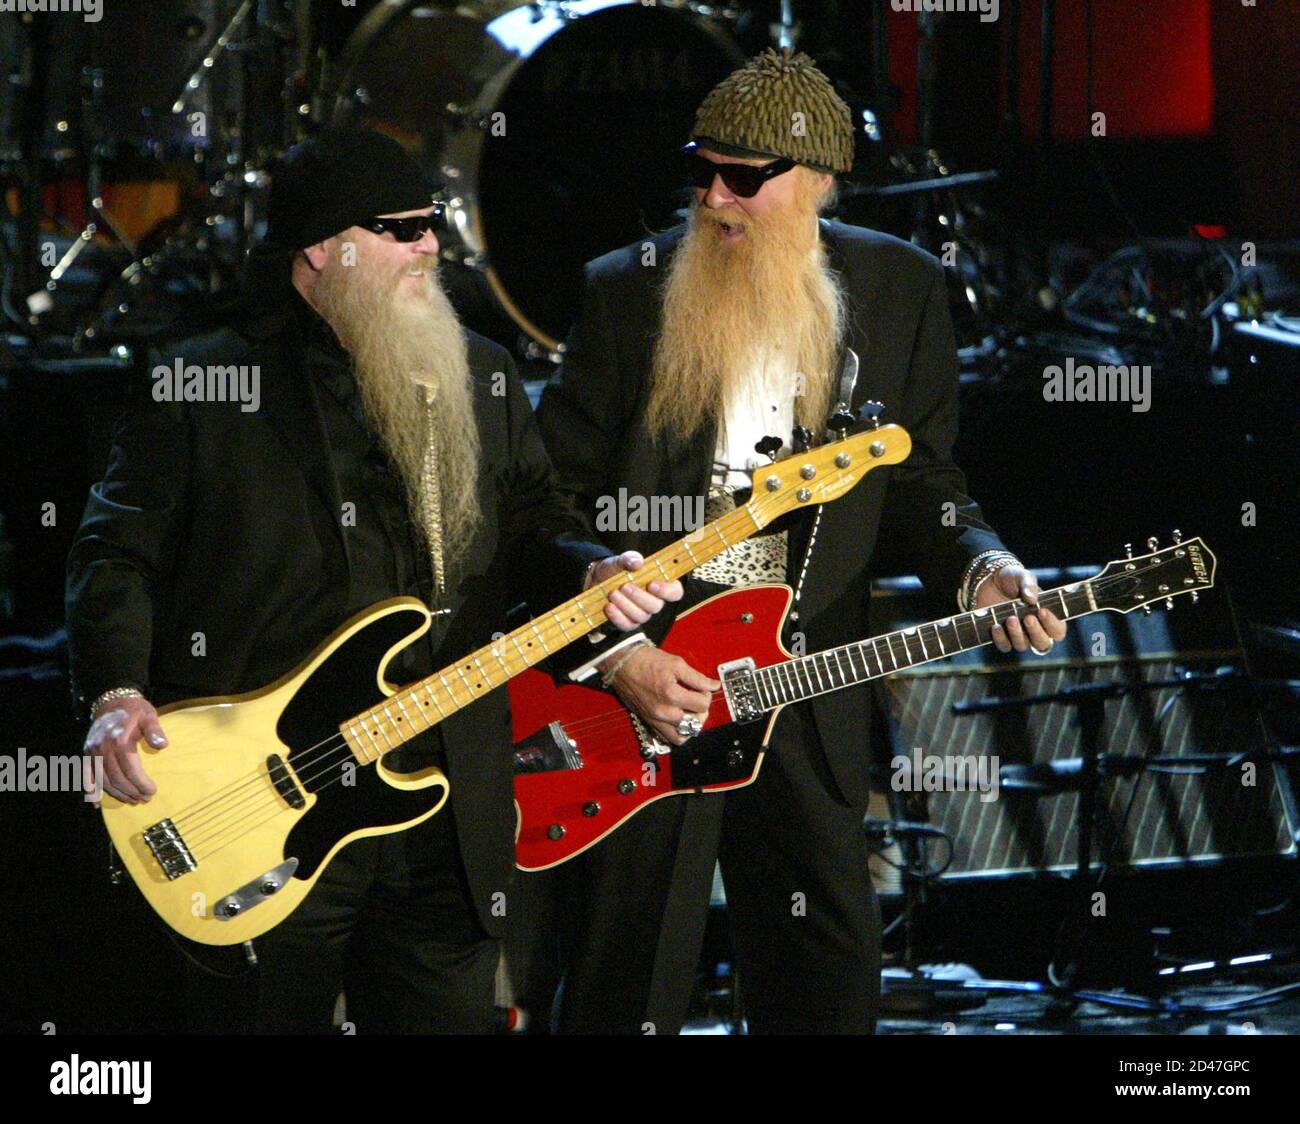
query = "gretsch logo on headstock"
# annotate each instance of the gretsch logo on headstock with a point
(1199, 568)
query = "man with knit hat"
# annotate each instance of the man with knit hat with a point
(691, 347)
(394, 453)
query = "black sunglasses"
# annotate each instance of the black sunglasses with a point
(745, 180)
(410, 229)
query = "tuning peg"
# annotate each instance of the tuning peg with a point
(1195, 597)
(870, 411)
(1169, 603)
(1153, 543)
(1146, 609)
(1178, 536)
(768, 446)
(1128, 550)
(801, 439)
(840, 422)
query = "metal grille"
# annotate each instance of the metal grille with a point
(1208, 814)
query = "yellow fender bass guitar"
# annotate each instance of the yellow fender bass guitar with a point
(258, 792)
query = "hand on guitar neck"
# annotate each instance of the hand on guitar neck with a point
(1041, 628)
(629, 606)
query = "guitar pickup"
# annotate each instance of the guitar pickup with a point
(553, 751)
(284, 783)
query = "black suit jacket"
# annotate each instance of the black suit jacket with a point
(592, 419)
(215, 521)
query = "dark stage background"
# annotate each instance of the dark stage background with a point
(1196, 175)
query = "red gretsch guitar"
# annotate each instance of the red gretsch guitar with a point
(584, 764)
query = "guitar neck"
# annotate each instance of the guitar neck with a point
(835, 668)
(422, 705)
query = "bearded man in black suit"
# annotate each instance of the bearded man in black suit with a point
(691, 347)
(388, 452)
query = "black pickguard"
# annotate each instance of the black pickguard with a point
(728, 753)
(343, 686)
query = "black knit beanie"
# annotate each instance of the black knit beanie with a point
(337, 179)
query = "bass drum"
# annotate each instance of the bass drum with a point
(554, 128)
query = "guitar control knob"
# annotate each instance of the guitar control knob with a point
(735, 759)
(555, 832)
(627, 787)
(590, 808)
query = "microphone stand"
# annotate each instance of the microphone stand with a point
(1089, 699)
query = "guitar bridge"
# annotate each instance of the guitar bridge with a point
(168, 848)
(738, 687)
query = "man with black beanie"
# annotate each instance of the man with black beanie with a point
(390, 452)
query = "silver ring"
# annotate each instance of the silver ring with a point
(1044, 652)
(689, 726)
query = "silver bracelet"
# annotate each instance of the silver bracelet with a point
(111, 696)
(988, 570)
(963, 583)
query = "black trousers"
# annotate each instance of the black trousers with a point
(389, 923)
(616, 933)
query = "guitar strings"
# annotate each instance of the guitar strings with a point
(1097, 584)
(618, 715)
(337, 743)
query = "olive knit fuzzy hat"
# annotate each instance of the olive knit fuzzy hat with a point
(778, 104)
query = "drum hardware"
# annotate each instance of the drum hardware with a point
(584, 92)
(220, 45)
(786, 31)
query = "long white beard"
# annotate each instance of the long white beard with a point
(403, 336)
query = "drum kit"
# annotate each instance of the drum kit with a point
(545, 122)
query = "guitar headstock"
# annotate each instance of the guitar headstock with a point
(824, 474)
(1161, 575)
